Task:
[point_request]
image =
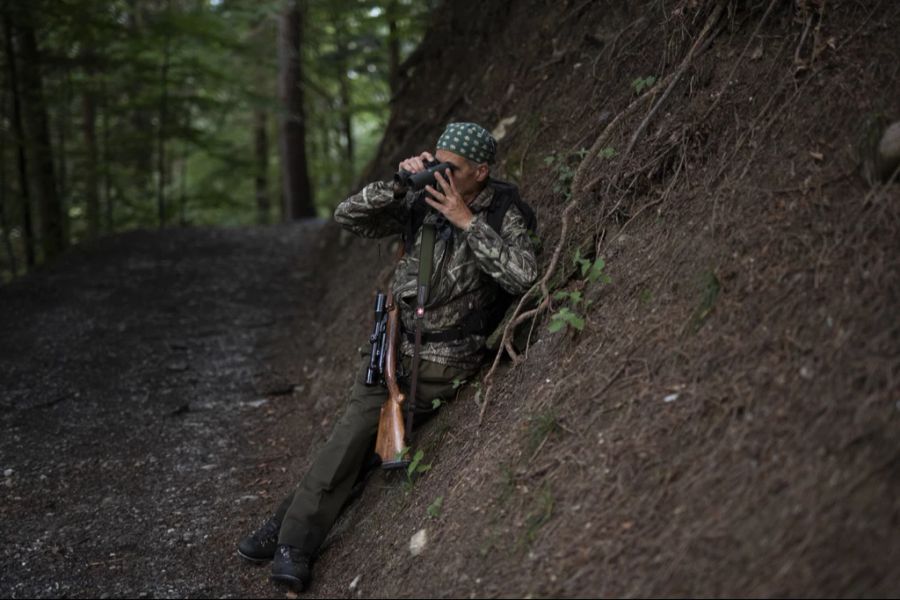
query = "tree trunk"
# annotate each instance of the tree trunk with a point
(62, 169)
(38, 133)
(139, 157)
(4, 222)
(161, 139)
(92, 191)
(262, 168)
(346, 124)
(19, 134)
(344, 108)
(297, 191)
(182, 219)
(107, 183)
(393, 49)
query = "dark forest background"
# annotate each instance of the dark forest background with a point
(122, 114)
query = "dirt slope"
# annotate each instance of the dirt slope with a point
(725, 424)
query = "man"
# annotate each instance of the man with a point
(474, 265)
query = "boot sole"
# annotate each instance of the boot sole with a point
(255, 561)
(295, 583)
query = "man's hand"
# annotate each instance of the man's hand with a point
(416, 164)
(449, 203)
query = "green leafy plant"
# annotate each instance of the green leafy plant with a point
(434, 509)
(436, 403)
(539, 429)
(711, 289)
(592, 271)
(416, 467)
(642, 83)
(608, 152)
(566, 317)
(574, 297)
(564, 170)
(402, 453)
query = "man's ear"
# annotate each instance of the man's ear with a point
(481, 172)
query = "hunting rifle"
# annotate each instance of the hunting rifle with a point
(385, 339)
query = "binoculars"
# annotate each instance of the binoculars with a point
(418, 181)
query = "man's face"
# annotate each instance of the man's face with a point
(469, 178)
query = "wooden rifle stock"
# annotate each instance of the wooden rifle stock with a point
(391, 443)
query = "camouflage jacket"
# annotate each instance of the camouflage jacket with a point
(468, 265)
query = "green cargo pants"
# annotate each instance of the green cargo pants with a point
(309, 512)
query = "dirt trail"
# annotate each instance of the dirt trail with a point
(143, 381)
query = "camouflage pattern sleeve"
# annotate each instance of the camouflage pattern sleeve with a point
(508, 258)
(374, 212)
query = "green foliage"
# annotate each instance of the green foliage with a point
(566, 317)
(220, 61)
(539, 428)
(593, 272)
(435, 403)
(711, 289)
(608, 152)
(416, 467)
(402, 454)
(564, 171)
(434, 509)
(574, 297)
(642, 83)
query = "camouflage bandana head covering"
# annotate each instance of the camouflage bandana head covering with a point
(470, 141)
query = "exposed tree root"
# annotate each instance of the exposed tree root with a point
(580, 191)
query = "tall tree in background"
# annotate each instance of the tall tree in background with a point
(163, 115)
(19, 139)
(297, 191)
(89, 129)
(261, 180)
(393, 47)
(345, 107)
(260, 34)
(38, 135)
(4, 222)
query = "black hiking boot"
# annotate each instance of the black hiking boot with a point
(260, 545)
(290, 567)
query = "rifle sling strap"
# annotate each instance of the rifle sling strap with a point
(426, 263)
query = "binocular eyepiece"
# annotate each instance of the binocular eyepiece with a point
(418, 181)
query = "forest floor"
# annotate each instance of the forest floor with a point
(145, 381)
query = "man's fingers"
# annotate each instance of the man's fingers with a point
(452, 181)
(435, 205)
(447, 182)
(438, 195)
(416, 164)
